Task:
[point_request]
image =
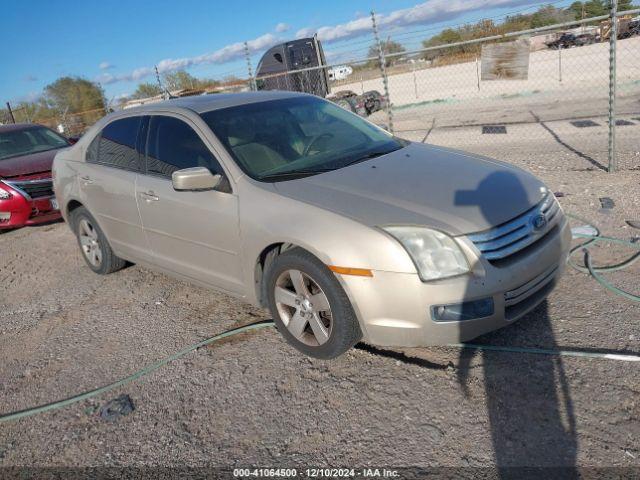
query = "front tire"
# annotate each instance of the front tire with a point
(94, 246)
(309, 306)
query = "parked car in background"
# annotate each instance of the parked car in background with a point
(26, 188)
(342, 230)
(568, 40)
(339, 72)
(363, 105)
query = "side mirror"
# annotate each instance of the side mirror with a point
(196, 179)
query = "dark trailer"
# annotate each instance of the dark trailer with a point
(278, 68)
(293, 66)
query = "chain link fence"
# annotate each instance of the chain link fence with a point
(70, 124)
(573, 86)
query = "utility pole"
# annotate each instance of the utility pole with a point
(13, 119)
(252, 81)
(383, 69)
(164, 91)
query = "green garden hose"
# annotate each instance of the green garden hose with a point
(135, 376)
(595, 271)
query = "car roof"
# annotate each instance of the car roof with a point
(216, 101)
(14, 127)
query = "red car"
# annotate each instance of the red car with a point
(26, 190)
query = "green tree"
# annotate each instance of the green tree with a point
(549, 15)
(595, 8)
(146, 90)
(180, 80)
(445, 37)
(626, 5)
(73, 95)
(577, 10)
(388, 47)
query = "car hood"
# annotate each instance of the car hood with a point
(441, 188)
(27, 164)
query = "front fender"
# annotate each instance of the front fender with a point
(267, 218)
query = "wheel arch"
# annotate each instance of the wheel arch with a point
(73, 205)
(267, 255)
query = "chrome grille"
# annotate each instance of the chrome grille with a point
(519, 301)
(509, 238)
(513, 297)
(33, 188)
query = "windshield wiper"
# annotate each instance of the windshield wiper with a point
(368, 156)
(295, 174)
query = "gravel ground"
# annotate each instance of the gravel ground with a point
(253, 400)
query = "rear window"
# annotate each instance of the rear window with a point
(117, 144)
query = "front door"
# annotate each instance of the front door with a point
(195, 234)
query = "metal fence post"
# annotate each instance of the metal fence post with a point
(252, 81)
(383, 69)
(613, 34)
(415, 80)
(560, 63)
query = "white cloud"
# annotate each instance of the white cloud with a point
(428, 12)
(431, 11)
(106, 65)
(223, 55)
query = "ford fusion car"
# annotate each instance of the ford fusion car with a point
(345, 232)
(26, 155)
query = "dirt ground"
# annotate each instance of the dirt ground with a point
(254, 401)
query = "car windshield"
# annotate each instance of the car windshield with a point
(30, 140)
(295, 137)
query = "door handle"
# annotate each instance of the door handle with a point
(86, 180)
(149, 196)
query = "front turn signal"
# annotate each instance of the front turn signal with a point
(358, 272)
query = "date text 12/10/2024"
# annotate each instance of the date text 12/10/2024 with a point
(315, 473)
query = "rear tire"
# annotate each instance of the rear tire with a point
(309, 306)
(94, 246)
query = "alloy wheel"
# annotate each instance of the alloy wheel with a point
(89, 242)
(303, 307)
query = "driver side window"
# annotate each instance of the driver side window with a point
(173, 145)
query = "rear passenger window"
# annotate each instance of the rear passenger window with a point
(92, 150)
(173, 145)
(117, 145)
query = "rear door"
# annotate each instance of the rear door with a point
(107, 186)
(195, 234)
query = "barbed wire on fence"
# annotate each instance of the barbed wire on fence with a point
(467, 94)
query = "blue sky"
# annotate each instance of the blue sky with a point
(118, 42)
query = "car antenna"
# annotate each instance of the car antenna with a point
(167, 95)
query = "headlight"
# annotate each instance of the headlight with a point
(435, 254)
(4, 195)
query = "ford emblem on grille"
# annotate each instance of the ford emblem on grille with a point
(538, 222)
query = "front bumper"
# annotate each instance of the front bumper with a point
(25, 212)
(395, 309)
